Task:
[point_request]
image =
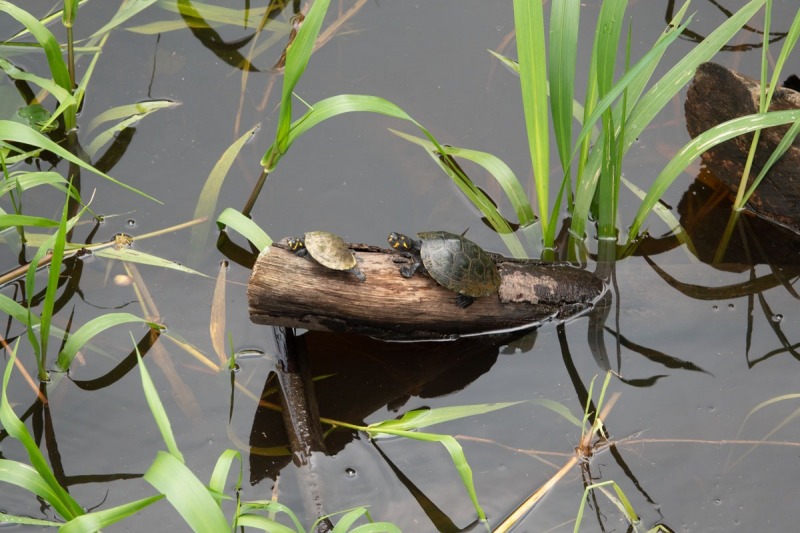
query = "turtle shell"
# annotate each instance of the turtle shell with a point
(458, 264)
(329, 250)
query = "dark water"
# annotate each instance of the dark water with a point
(700, 345)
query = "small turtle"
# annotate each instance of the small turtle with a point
(454, 261)
(327, 249)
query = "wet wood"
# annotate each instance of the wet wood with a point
(290, 291)
(718, 94)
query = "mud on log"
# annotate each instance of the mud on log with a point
(717, 95)
(290, 291)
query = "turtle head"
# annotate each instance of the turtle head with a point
(400, 242)
(295, 244)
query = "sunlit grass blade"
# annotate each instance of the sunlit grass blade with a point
(350, 517)
(497, 169)
(221, 470)
(61, 501)
(216, 324)
(700, 144)
(780, 150)
(16, 311)
(654, 100)
(207, 201)
(226, 15)
(564, 26)
(186, 493)
(52, 50)
(97, 520)
(756, 409)
(667, 216)
(159, 413)
(246, 514)
(86, 332)
(235, 220)
(14, 132)
(427, 417)
(24, 520)
(26, 477)
(621, 502)
(53, 277)
(127, 116)
(263, 523)
(135, 256)
(456, 455)
(297, 56)
(529, 24)
(126, 11)
(62, 95)
(29, 180)
(9, 221)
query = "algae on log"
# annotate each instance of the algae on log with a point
(291, 291)
(717, 95)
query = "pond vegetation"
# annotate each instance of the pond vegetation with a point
(45, 147)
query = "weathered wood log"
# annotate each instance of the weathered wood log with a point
(290, 291)
(717, 95)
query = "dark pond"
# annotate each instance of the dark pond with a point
(697, 345)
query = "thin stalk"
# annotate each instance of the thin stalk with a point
(248, 206)
(763, 103)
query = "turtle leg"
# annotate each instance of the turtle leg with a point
(358, 274)
(464, 301)
(408, 271)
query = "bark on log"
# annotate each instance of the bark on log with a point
(290, 291)
(717, 95)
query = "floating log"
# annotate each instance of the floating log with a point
(291, 291)
(718, 94)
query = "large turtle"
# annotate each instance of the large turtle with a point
(454, 261)
(327, 249)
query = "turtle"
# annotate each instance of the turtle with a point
(327, 249)
(454, 261)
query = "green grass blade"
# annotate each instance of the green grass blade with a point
(297, 56)
(659, 95)
(529, 24)
(377, 527)
(85, 333)
(135, 256)
(62, 502)
(186, 493)
(14, 132)
(127, 10)
(97, 520)
(271, 507)
(160, 416)
(10, 221)
(500, 171)
(135, 113)
(24, 520)
(29, 180)
(234, 219)
(26, 477)
(694, 149)
(15, 310)
(564, 26)
(51, 47)
(62, 95)
(427, 417)
(207, 201)
(53, 277)
(221, 470)
(783, 146)
(263, 523)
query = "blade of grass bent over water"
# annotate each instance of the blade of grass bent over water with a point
(14, 132)
(234, 219)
